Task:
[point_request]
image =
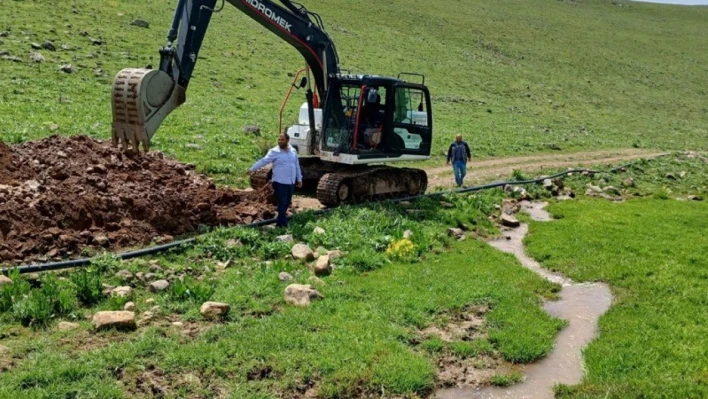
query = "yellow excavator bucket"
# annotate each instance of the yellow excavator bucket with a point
(141, 100)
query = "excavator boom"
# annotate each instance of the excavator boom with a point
(142, 98)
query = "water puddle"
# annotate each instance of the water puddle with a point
(581, 304)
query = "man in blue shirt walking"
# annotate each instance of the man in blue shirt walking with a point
(286, 175)
(459, 154)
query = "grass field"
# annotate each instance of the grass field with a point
(362, 338)
(654, 255)
(515, 77)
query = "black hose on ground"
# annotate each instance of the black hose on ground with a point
(67, 264)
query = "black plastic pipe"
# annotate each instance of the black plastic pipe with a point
(67, 264)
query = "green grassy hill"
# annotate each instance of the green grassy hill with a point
(512, 76)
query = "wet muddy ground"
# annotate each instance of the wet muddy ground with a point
(581, 304)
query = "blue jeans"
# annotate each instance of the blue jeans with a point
(283, 195)
(460, 169)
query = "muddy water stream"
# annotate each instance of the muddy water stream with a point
(581, 304)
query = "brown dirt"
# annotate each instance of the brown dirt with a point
(61, 195)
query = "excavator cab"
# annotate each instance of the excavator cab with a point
(370, 119)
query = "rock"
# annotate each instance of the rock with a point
(164, 239)
(670, 176)
(65, 47)
(233, 243)
(301, 295)
(121, 320)
(177, 323)
(316, 280)
(510, 206)
(285, 238)
(594, 189)
(140, 276)
(408, 234)
(318, 230)
(12, 58)
(155, 268)
(129, 306)
(67, 326)
(67, 68)
(100, 239)
(37, 57)
(123, 292)
(49, 46)
(4, 280)
(225, 265)
(690, 198)
(125, 275)
(140, 23)
(149, 301)
(335, 254)
(150, 276)
(302, 252)
(159, 285)
(285, 276)
(455, 232)
(564, 197)
(145, 318)
(323, 266)
(35, 46)
(628, 182)
(548, 184)
(4, 34)
(97, 42)
(612, 190)
(213, 310)
(559, 182)
(509, 220)
(252, 129)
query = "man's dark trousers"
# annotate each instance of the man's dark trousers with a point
(283, 195)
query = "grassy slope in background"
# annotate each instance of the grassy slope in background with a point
(513, 76)
(654, 255)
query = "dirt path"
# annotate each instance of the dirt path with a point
(581, 304)
(486, 170)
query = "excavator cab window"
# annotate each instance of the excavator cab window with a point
(412, 121)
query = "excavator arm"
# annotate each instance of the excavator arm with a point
(142, 98)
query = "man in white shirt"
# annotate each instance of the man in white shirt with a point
(286, 175)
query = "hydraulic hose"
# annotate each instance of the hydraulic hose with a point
(67, 264)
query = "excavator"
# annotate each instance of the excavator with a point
(348, 129)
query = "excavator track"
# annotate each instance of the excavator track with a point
(370, 184)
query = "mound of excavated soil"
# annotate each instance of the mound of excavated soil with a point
(63, 194)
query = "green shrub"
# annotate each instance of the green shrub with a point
(363, 260)
(504, 380)
(191, 290)
(53, 299)
(12, 293)
(88, 285)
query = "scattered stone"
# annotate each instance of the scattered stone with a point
(628, 182)
(594, 189)
(4, 34)
(670, 176)
(146, 318)
(12, 58)
(67, 326)
(159, 285)
(559, 182)
(564, 198)
(301, 295)
(225, 265)
(213, 310)
(121, 320)
(164, 239)
(155, 268)
(125, 275)
(612, 190)
(177, 323)
(37, 57)
(140, 276)
(149, 301)
(690, 198)
(83, 33)
(455, 232)
(252, 129)
(49, 46)
(140, 23)
(445, 204)
(335, 254)
(68, 68)
(318, 230)
(129, 306)
(233, 243)
(285, 276)
(65, 47)
(97, 42)
(302, 252)
(509, 220)
(123, 292)
(316, 280)
(683, 174)
(35, 46)
(285, 238)
(323, 266)
(548, 184)
(4, 280)
(408, 234)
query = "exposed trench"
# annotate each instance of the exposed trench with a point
(581, 304)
